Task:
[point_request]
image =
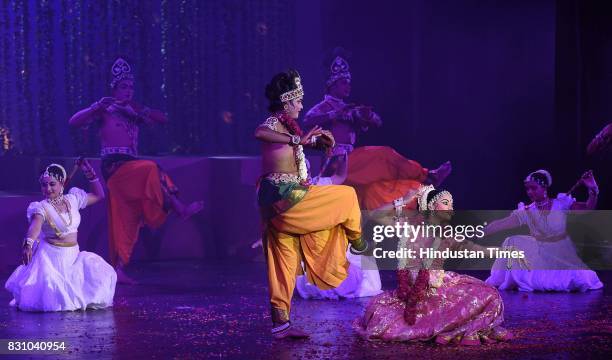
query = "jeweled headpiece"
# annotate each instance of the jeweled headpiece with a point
(541, 177)
(424, 193)
(339, 69)
(422, 196)
(295, 93)
(59, 177)
(120, 70)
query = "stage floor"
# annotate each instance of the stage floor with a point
(192, 309)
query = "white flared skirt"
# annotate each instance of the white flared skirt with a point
(555, 266)
(361, 281)
(62, 279)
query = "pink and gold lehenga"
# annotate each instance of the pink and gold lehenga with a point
(435, 305)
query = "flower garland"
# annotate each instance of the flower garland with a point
(298, 150)
(290, 123)
(411, 292)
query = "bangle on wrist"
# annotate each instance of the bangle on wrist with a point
(28, 241)
(93, 180)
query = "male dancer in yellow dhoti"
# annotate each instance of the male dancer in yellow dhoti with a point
(302, 222)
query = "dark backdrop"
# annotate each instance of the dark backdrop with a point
(499, 88)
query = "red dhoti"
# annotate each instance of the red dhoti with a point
(380, 175)
(135, 198)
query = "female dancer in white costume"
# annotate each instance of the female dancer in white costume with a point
(554, 264)
(55, 275)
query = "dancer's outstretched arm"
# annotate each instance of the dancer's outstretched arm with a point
(506, 223)
(268, 135)
(32, 234)
(326, 119)
(319, 120)
(588, 180)
(367, 117)
(271, 136)
(95, 187)
(601, 140)
(590, 204)
(148, 115)
(89, 114)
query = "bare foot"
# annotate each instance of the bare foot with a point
(191, 209)
(122, 277)
(443, 340)
(437, 176)
(291, 333)
(501, 334)
(472, 340)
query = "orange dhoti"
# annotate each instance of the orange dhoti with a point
(136, 190)
(311, 225)
(380, 175)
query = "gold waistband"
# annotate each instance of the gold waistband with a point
(278, 178)
(61, 243)
(111, 150)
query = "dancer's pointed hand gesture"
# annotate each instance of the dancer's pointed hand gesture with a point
(589, 180)
(313, 133)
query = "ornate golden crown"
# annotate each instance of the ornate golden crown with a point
(293, 94)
